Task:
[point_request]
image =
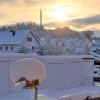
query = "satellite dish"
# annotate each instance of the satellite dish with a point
(28, 71)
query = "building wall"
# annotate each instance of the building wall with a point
(4, 77)
(29, 44)
(87, 63)
(61, 71)
(9, 48)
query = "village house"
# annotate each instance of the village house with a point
(19, 41)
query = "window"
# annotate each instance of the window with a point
(6, 48)
(29, 39)
(0, 47)
(12, 48)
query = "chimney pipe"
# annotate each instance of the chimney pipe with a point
(13, 32)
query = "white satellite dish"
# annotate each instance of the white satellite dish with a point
(29, 70)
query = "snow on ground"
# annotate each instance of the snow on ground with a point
(53, 95)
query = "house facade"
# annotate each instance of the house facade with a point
(19, 41)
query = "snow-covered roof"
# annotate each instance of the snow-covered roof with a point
(7, 38)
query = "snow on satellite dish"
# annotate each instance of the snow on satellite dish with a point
(29, 68)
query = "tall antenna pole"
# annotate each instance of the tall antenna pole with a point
(40, 17)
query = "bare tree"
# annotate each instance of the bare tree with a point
(88, 34)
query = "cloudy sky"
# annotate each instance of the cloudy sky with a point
(79, 14)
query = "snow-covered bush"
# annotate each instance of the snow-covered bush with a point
(52, 50)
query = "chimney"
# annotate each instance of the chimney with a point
(40, 17)
(41, 26)
(13, 32)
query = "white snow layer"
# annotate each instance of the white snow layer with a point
(78, 93)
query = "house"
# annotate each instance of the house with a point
(18, 41)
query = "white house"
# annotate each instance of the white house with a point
(18, 41)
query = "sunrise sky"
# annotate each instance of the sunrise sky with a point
(78, 14)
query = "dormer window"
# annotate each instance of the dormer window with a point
(29, 39)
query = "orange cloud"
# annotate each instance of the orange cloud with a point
(28, 10)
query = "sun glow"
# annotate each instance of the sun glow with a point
(62, 13)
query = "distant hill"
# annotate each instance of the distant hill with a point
(65, 32)
(97, 33)
(19, 26)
